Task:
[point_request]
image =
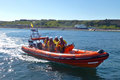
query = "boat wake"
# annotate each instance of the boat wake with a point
(11, 46)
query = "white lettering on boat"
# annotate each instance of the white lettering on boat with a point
(93, 62)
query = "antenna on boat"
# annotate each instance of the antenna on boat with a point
(34, 32)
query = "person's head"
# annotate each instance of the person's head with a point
(56, 38)
(61, 38)
(51, 39)
(47, 38)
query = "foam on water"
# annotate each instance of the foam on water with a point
(9, 46)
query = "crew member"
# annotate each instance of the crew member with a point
(39, 45)
(46, 42)
(31, 43)
(61, 44)
(56, 40)
(51, 45)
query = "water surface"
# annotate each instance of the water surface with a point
(16, 65)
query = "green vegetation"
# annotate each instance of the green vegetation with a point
(99, 24)
(108, 27)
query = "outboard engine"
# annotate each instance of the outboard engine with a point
(100, 51)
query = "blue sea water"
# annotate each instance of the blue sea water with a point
(16, 65)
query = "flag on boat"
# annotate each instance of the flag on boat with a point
(31, 25)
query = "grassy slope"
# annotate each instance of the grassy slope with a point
(101, 24)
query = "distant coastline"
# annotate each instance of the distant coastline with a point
(91, 25)
(63, 28)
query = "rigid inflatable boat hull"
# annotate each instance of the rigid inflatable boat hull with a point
(80, 62)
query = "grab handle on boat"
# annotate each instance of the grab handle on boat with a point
(100, 51)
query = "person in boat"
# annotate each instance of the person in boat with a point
(39, 45)
(51, 45)
(31, 43)
(56, 40)
(46, 42)
(61, 44)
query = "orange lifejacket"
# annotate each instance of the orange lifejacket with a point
(68, 48)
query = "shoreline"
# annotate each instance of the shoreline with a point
(64, 28)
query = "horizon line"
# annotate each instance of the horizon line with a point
(60, 19)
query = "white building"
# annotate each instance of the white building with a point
(81, 26)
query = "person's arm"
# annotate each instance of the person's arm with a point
(65, 43)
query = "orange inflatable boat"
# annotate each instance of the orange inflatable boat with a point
(74, 57)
